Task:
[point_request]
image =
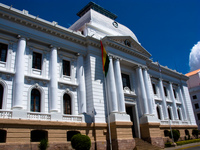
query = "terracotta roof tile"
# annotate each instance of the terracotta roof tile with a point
(192, 73)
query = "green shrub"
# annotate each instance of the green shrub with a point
(43, 144)
(168, 144)
(187, 142)
(176, 135)
(81, 142)
(195, 133)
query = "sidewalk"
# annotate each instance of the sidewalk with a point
(183, 146)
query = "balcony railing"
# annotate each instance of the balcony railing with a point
(5, 114)
(72, 118)
(174, 122)
(38, 116)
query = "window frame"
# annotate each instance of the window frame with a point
(175, 94)
(158, 112)
(6, 51)
(66, 104)
(34, 61)
(194, 97)
(127, 75)
(154, 89)
(169, 113)
(198, 116)
(165, 91)
(34, 101)
(196, 104)
(1, 96)
(66, 69)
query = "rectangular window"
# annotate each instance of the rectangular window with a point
(154, 88)
(175, 96)
(126, 81)
(66, 67)
(3, 52)
(198, 116)
(194, 97)
(37, 59)
(165, 91)
(196, 106)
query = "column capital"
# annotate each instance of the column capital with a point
(22, 37)
(170, 82)
(160, 79)
(117, 58)
(53, 46)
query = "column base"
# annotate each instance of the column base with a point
(119, 117)
(148, 118)
(54, 111)
(17, 108)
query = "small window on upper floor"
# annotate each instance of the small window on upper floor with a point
(175, 96)
(194, 97)
(154, 88)
(165, 91)
(37, 61)
(66, 68)
(198, 116)
(3, 52)
(196, 106)
(126, 81)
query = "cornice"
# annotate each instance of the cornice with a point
(167, 71)
(21, 17)
(125, 49)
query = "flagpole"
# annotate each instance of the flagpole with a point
(108, 112)
(105, 70)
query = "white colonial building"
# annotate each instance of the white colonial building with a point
(52, 84)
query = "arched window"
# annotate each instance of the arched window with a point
(1, 96)
(179, 113)
(158, 112)
(35, 100)
(38, 135)
(67, 104)
(169, 113)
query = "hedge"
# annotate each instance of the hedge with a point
(187, 142)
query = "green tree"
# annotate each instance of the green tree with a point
(176, 135)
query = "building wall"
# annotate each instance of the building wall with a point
(96, 101)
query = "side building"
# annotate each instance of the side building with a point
(194, 90)
(52, 84)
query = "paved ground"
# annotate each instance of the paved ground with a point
(192, 146)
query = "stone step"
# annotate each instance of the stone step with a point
(143, 145)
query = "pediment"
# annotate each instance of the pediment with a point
(130, 43)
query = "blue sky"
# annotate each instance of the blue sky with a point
(168, 29)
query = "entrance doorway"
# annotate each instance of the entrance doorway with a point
(132, 111)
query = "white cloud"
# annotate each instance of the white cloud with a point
(194, 60)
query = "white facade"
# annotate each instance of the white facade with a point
(194, 90)
(150, 95)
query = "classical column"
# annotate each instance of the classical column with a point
(142, 91)
(110, 79)
(53, 80)
(149, 98)
(174, 102)
(81, 85)
(119, 87)
(163, 99)
(19, 75)
(182, 103)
